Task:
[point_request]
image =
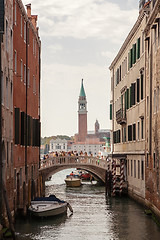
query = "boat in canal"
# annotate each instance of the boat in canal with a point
(73, 180)
(48, 206)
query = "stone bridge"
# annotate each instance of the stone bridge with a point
(97, 167)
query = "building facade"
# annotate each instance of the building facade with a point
(58, 145)
(7, 104)
(26, 105)
(134, 106)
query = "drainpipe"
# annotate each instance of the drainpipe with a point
(26, 99)
(39, 103)
(150, 117)
(1, 165)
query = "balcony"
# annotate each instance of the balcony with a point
(121, 116)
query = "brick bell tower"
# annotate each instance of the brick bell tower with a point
(82, 115)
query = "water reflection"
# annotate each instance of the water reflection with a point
(95, 216)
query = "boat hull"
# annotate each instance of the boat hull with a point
(73, 182)
(47, 209)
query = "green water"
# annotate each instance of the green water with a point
(95, 217)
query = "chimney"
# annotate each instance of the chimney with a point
(34, 21)
(28, 6)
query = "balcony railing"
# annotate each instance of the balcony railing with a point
(121, 116)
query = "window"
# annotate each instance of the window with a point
(142, 126)
(15, 61)
(154, 160)
(24, 74)
(116, 136)
(147, 105)
(157, 98)
(131, 168)
(110, 111)
(138, 169)
(134, 168)
(142, 170)
(21, 25)
(141, 86)
(21, 70)
(154, 106)
(28, 78)
(17, 123)
(134, 131)
(24, 31)
(130, 133)
(138, 48)
(138, 90)
(23, 124)
(138, 130)
(128, 167)
(134, 54)
(15, 13)
(34, 84)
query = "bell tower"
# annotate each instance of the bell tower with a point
(82, 115)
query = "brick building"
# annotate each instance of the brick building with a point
(6, 152)
(26, 105)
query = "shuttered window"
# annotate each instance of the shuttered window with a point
(17, 125)
(130, 133)
(141, 86)
(134, 54)
(138, 48)
(23, 121)
(127, 98)
(110, 111)
(117, 136)
(134, 131)
(138, 90)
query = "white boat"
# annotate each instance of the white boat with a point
(73, 180)
(48, 206)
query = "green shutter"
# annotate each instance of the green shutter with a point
(127, 98)
(17, 124)
(130, 58)
(130, 97)
(125, 107)
(138, 48)
(134, 53)
(110, 111)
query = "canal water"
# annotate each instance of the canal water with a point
(95, 217)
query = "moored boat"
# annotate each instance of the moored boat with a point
(48, 206)
(73, 180)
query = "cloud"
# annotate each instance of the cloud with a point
(83, 19)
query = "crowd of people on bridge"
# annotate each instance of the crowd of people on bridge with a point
(70, 153)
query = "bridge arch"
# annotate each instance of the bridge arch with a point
(53, 165)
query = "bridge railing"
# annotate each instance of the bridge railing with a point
(71, 160)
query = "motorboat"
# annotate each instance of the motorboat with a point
(48, 206)
(73, 180)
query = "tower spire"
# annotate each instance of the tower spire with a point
(82, 92)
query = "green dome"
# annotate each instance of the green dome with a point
(82, 92)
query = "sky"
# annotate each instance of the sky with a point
(80, 39)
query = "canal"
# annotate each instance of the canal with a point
(95, 217)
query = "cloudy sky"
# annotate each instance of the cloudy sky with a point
(80, 39)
